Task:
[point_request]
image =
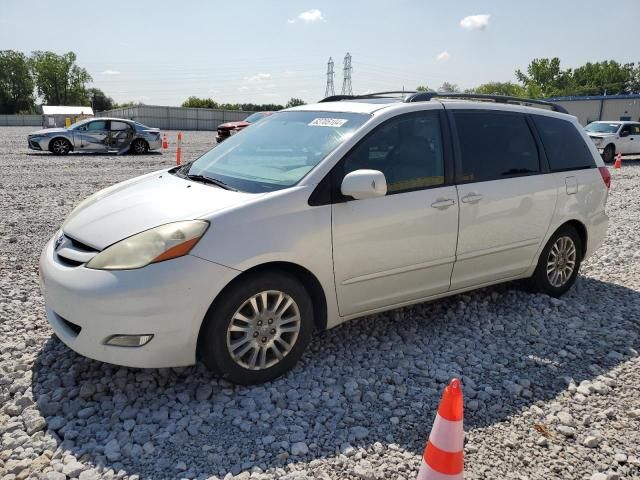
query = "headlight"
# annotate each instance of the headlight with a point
(155, 245)
(597, 141)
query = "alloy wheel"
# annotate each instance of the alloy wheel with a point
(263, 330)
(561, 261)
(60, 146)
(138, 147)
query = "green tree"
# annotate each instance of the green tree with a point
(423, 88)
(294, 102)
(59, 81)
(600, 77)
(499, 88)
(545, 78)
(99, 100)
(447, 87)
(195, 102)
(16, 83)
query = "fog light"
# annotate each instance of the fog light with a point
(128, 340)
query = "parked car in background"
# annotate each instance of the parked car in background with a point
(97, 135)
(611, 138)
(225, 130)
(317, 215)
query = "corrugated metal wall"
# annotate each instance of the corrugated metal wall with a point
(176, 118)
(589, 111)
(20, 120)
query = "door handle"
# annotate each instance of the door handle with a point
(443, 203)
(472, 198)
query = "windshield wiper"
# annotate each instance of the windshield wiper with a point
(210, 180)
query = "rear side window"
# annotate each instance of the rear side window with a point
(494, 145)
(563, 144)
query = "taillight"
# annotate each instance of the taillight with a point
(606, 176)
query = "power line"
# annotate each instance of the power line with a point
(346, 80)
(329, 91)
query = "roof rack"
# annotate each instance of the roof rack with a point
(427, 96)
(337, 98)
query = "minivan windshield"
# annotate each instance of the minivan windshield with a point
(277, 151)
(602, 127)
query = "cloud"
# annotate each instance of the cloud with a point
(443, 56)
(257, 78)
(244, 88)
(475, 22)
(310, 16)
(111, 72)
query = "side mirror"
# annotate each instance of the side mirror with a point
(361, 184)
(624, 134)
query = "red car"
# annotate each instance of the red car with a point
(225, 130)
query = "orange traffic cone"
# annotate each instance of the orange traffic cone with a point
(443, 456)
(165, 142)
(179, 150)
(618, 163)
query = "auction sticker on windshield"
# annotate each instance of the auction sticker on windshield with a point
(328, 122)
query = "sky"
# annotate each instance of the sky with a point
(162, 52)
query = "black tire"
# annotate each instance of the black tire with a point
(215, 336)
(139, 146)
(609, 153)
(541, 281)
(60, 146)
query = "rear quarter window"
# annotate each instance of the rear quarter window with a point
(563, 144)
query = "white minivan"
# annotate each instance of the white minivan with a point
(319, 214)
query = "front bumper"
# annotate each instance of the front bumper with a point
(167, 300)
(38, 143)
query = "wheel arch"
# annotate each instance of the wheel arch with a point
(582, 231)
(303, 275)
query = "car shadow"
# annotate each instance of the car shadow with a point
(512, 350)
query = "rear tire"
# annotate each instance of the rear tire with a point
(559, 263)
(139, 146)
(258, 329)
(60, 146)
(609, 153)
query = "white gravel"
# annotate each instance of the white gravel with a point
(552, 387)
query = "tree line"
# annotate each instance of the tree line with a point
(545, 78)
(195, 102)
(48, 78)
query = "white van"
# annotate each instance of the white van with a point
(320, 214)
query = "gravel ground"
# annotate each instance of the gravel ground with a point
(551, 386)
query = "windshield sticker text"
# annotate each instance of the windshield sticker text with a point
(328, 122)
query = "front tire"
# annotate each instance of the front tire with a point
(60, 146)
(559, 262)
(258, 329)
(609, 153)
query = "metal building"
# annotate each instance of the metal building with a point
(63, 116)
(177, 118)
(602, 107)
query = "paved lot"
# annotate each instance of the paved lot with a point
(552, 387)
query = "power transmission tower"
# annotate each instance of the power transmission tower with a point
(346, 82)
(329, 91)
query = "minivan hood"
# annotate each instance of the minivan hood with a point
(143, 203)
